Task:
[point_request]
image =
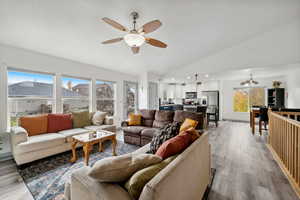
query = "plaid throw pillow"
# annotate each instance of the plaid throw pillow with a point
(169, 131)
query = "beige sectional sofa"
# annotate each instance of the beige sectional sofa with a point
(186, 177)
(26, 149)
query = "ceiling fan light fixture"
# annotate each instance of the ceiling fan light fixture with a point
(134, 39)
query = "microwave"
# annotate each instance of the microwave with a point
(191, 95)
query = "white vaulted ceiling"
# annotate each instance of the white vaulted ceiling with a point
(193, 29)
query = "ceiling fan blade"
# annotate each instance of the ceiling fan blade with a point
(115, 24)
(156, 43)
(255, 82)
(135, 50)
(244, 82)
(150, 26)
(112, 40)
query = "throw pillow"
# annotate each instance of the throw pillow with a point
(135, 119)
(120, 168)
(194, 133)
(139, 179)
(81, 119)
(34, 125)
(169, 131)
(59, 122)
(174, 145)
(188, 123)
(98, 118)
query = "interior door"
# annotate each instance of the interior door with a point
(153, 96)
(131, 98)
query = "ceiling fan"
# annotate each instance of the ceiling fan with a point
(136, 37)
(249, 81)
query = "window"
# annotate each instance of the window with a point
(240, 100)
(28, 94)
(257, 97)
(244, 98)
(75, 94)
(105, 96)
(131, 98)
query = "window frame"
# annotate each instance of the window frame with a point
(88, 97)
(114, 94)
(28, 98)
(248, 88)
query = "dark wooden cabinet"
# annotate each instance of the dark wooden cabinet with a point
(276, 98)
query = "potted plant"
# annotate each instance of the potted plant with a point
(276, 84)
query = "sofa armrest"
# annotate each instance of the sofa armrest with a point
(192, 166)
(109, 120)
(18, 135)
(124, 123)
(82, 186)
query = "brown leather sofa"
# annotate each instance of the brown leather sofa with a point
(153, 120)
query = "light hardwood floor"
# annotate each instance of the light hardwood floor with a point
(245, 169)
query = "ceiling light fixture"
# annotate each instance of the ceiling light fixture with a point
(136, 37)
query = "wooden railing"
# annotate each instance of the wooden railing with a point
(284, 143)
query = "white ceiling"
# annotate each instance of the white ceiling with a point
(193, 29)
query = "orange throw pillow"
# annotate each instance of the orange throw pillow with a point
(188, 123)
(135, 119)
(174, 145)
(59, 122)
(193, 132)
(34, 125)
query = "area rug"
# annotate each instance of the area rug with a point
(45, 178)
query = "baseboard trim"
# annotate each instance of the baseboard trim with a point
(236, 120)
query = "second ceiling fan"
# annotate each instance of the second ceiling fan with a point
(136, 37)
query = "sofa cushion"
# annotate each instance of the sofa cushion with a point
(169, 131)
(111, 128)
(135, 119)
(139, 179)
(109, 120)
(162, 118)
(174, 145)
(81, 119)
(136, 130)
(147, 117)
(98, 118)
(188, 123)
(181, 115)
(149, 132)
(35, 124)
(194, 133)
(84, 187)
(120, 168)
(59, 122)
(71, 132)
(37, 142)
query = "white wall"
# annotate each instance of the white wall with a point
(277, 47)
(33, 61)
(227, 92)
(144, 79)
(293, 84)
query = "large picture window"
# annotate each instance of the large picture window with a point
(28, 94)
(241, 100)
(105, 96)
(75, 94)
(244, 98)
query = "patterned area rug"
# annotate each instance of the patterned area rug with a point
(45, 178)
